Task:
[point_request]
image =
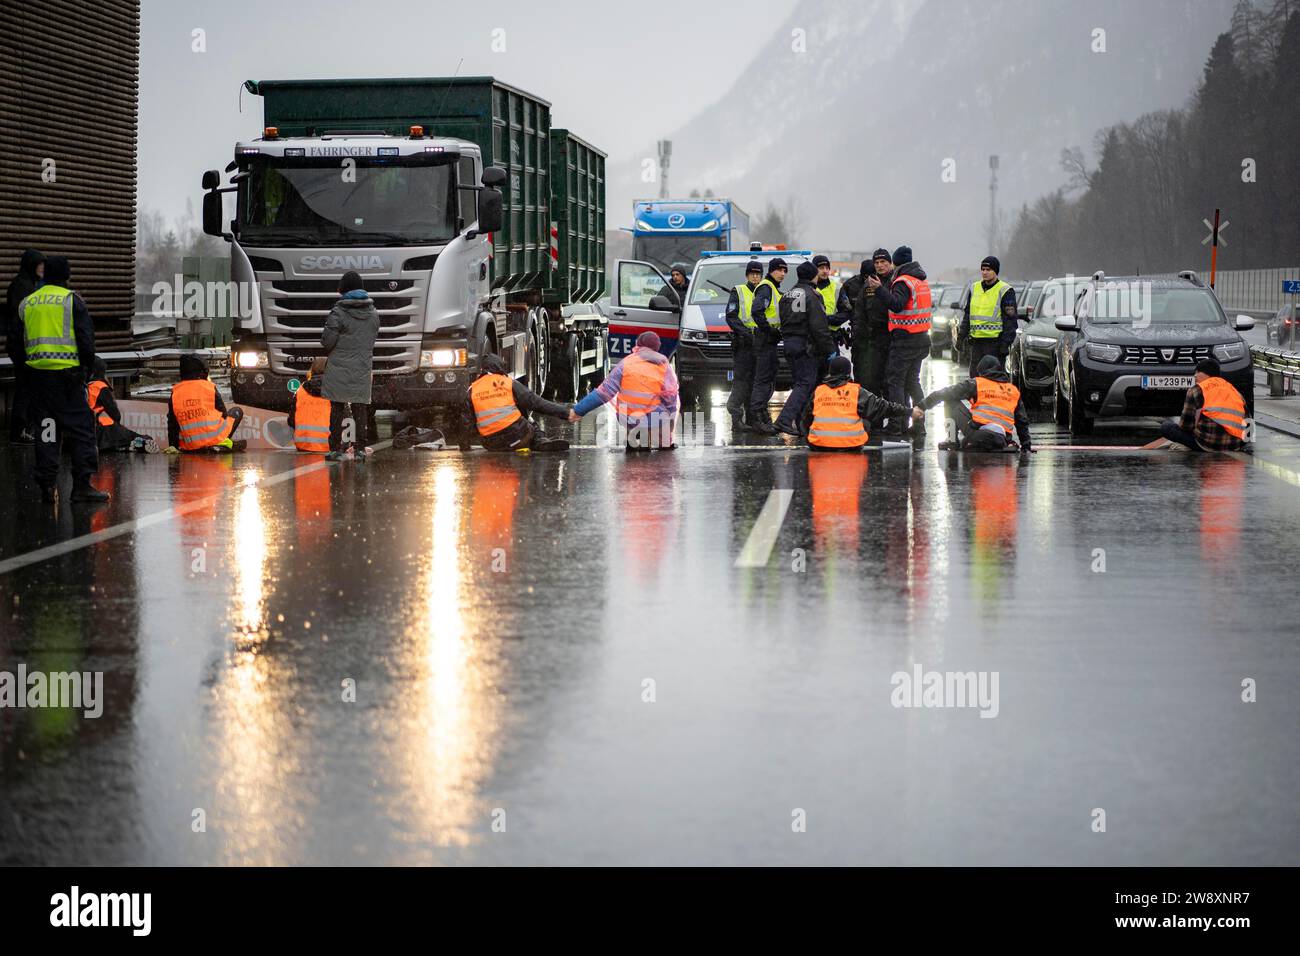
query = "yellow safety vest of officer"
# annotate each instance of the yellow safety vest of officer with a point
(745, 305)
(47, 324)
(986, 306)
(830, 291)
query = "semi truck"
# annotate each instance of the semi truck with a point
(472, 221)
(665, 231)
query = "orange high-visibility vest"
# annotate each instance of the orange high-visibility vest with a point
(995, 403)
(194, 403)
(835, 421)
(1224, 406)
(915, 318)
(92, 396)
(641, 387)
(494, 403)
(311, 421)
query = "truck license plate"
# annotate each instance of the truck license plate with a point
(1182, 382)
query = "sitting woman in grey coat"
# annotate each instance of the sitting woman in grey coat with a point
(349, 341)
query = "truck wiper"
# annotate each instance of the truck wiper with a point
(386, 239)
(284, 239)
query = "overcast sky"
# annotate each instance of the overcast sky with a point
(617, 73)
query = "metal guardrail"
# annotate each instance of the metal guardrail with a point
(1278, 364)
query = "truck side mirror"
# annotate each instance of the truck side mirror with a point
(212, 213)
(491, 215)
(493, 176)
(211, 179)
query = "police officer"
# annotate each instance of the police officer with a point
(989, 320)
(767, 299)
(829, 287)
(870, 321)
(808, 345)
(996, 409)
(740, 320)
(906, 295)
(59, 345)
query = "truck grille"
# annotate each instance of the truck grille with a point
(1155, 355)
(390, 358)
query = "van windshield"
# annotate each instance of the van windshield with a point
(714, 281)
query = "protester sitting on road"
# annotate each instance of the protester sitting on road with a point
(842, 411)
(497, 408)
(310, 416)
(995, 409)
(197, 419)
(110, 433)
(1214, 415)
(644, 389)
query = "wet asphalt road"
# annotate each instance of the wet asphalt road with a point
(500, 617)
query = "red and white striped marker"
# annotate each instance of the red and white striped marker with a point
(555, 247)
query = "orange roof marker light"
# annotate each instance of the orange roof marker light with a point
(271, 132)
(417, 132)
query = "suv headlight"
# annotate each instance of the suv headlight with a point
(694, 335)
(1229, 352)
(1103, 353)
(1040, 341)
(938, 318)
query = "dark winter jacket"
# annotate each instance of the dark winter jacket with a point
(673, 293)
(349, 339)
(1008, 335)
(894, 296)
(871, 407)
(23, 285)
(967, 391)
(803, 313)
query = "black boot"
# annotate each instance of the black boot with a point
(762, 427)
(83, 490)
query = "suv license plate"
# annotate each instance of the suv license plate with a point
(1181, 382)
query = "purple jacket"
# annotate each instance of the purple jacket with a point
(606, 390)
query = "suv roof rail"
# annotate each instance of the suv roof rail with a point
(1190, 276)
(1098, 276)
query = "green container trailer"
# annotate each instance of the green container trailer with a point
(406, 221)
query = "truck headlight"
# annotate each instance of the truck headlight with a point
(251, 359)
(1104, 353)
(1229, 352)
(694, 335)
(442, 358)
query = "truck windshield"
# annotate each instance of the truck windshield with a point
(663, 251)
(407, 202)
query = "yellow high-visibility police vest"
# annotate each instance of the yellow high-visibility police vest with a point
(829, 294)
(770, 311)
(986, 309)
(745, 305)
(47, 324)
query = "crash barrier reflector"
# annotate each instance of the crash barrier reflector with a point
(262, 428)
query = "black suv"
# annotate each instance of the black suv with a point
(1132, 344)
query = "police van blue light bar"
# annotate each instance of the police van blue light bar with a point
(757, 252)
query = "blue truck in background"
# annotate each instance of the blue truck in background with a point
(665, 231)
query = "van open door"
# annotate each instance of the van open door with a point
(636, 285)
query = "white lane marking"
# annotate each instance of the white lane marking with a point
(762, 537)
(149, 520)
